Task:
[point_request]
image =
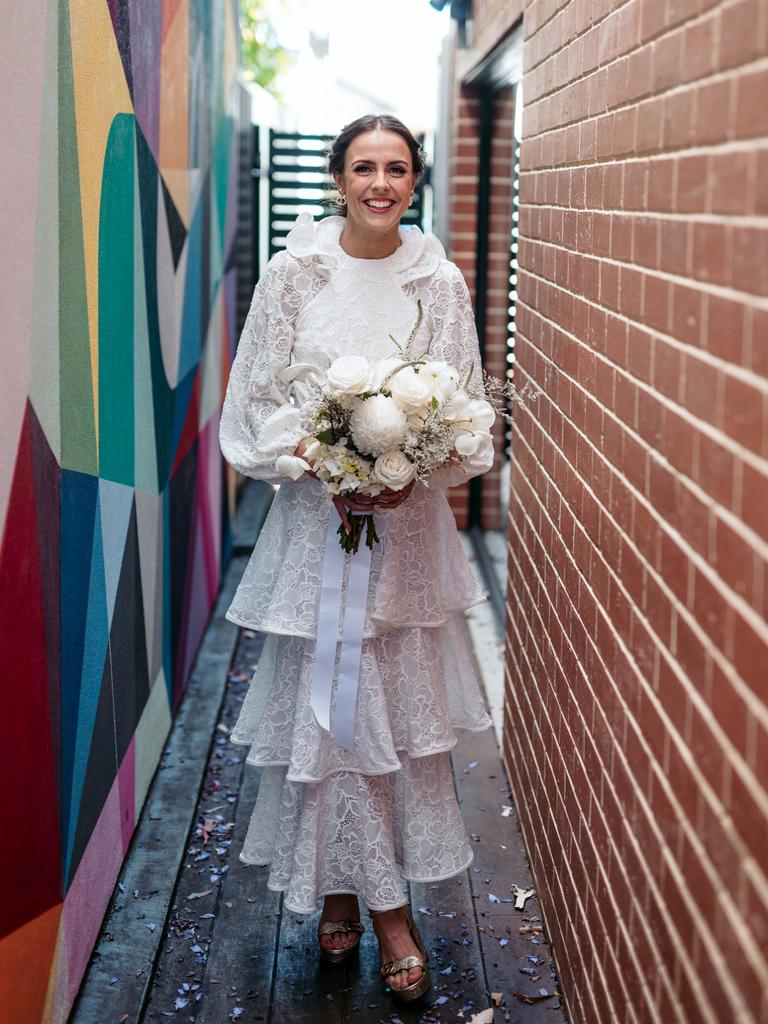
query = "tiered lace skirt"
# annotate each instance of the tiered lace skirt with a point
(328, 820)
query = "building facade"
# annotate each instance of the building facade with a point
(636, 731)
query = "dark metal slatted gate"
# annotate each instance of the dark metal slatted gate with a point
(299, 182)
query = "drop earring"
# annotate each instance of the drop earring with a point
(342, 199)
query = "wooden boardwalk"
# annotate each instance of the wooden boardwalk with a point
(194, 935)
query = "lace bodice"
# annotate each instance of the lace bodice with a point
(314, 303)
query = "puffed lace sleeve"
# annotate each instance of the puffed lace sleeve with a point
(454, 339)
(258, 421)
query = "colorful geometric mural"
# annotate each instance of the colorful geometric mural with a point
(117, 298)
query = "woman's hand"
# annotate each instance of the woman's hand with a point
(365, 504)
(299, 452)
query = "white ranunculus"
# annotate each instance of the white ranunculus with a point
(292, 466)
(349, 375)
(442, 378)
(477, 443)
(456, 408)
(409, 390)
(394, 470)
(481, 414)
(377, 424)
(477, 414)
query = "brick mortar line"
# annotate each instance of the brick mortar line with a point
(560, 10)
(744, 532)
(553, 816)
(733, 369)
(761, 967)
(663, 845)
(726, 147)
(658, 958)
(738, 220)
(742, 374)
(735, 760)
(666, 30)
(727, 74)
(737, 602)
(563, 903)
(749, 143)
(759, 710)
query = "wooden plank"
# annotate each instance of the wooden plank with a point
(239, 971)
(120, 971)
(245, 930)
(306, 991)
(514, 960)
(191, 929)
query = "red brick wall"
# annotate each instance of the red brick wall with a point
(463, 251)
(462, 244)
(636, 738)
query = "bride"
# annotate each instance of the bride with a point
(335, 824)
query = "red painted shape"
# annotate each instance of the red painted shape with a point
(191, 428)
(27, 751)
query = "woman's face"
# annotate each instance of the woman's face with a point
(378, 179)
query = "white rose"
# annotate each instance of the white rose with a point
(409, 390)
(292, 466)
(474, 444)
(377, 424)
(442, 378)
(393, 470)
(349, 375)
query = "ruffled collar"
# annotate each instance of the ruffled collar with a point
(418, 254)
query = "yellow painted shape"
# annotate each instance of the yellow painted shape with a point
(151, 733)
(173, 153)
(101, 92)
(26, 968)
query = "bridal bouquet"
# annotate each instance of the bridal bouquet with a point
(381, 424)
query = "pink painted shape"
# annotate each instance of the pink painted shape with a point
(88, 897)
(127, 782)
(195, 616)
(209, 500)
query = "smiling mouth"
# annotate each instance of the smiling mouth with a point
(379, 204)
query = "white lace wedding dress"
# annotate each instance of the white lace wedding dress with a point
(329, 820)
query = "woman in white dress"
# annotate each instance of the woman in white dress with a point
(339, 824)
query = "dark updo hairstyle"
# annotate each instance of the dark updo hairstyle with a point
(370, 123)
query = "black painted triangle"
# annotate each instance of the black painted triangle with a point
(176, 230)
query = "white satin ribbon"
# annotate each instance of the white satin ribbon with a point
(336, 615)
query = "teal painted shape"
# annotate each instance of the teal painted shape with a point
(116, 307)
(192, 312)
(116, 502)
(145, 452)
(95, 647)
(222, 153)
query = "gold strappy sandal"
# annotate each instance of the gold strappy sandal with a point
(424, 983)
(337, 956)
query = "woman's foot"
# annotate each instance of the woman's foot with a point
(395, 943)
(341, 907)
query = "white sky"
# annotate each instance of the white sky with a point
(386, 49)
